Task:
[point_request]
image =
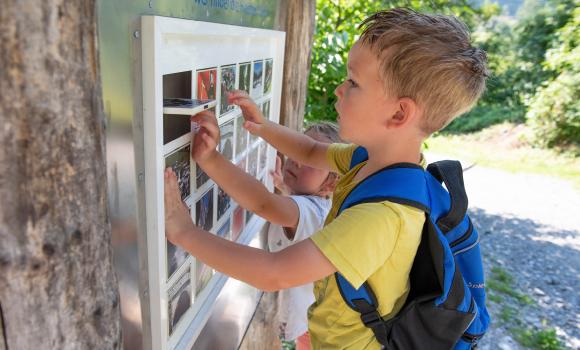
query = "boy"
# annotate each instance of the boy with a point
(409, 75)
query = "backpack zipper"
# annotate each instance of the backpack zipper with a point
(463, 237)
(468, 247)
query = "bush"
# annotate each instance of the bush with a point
(554, 111)
(483, 116)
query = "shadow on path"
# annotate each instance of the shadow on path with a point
(544, 262)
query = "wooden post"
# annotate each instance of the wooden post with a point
(299, 26)
(58, 289)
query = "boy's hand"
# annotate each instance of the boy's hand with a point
(278, 178)
(252, 114)
(207, 137)
(178, 222)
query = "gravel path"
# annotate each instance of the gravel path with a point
(530, 228)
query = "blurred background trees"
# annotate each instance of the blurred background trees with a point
(532, 50)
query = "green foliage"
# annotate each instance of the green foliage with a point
(534, 62)
(288, 345)
(545, 339)
(337, 24)
(501, 101)
(554, 111)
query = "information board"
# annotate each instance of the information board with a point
(189, 60)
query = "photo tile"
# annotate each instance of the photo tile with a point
(241, 136)
(200, 177)
(226, 146)
(245, 78)
(206, 84)
(257, 81)
(204, 211)
(253, 162)
(175, 258)
(179, 297)
(263, 156)
(228, 83)
(225, 230)
(203, 275)
(223, 203)
(179, 162)
(249, 215)
(266, 109)
(268, 76)
(242, 163)
(238, 221)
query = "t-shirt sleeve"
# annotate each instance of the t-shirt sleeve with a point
(313, 211)
(360, 240)
(339, 155)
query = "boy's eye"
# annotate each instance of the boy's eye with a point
(352, 83)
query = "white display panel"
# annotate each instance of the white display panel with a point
(200, 60)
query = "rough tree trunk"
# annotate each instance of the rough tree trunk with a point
(300, 20)
(58, 289)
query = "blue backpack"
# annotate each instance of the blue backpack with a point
(445, 308)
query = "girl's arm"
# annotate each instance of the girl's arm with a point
(248, 192)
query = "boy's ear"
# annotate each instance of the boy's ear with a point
(405, 113)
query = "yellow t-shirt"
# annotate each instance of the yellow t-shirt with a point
(370, 241)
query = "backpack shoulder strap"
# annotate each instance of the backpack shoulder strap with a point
(403, 183)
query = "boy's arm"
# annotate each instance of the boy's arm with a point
(294, 266)
(243, 188)
(293, 144)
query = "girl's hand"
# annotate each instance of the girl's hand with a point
(252, 114)
(278, 178)
(205, 141)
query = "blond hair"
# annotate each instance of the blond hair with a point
(328, 129)
(428, 58)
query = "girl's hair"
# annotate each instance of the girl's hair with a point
(327, 129)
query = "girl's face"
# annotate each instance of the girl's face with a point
(302, 179)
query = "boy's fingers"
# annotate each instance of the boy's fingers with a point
(252, 127)
(244, 103)
(237, 94)
(278, 164)
(209, 141)
(210, 127)
(202, 114)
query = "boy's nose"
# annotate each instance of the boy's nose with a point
(339, 89)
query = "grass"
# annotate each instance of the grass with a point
(501, 282)
(504, 146)
(543, 339)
